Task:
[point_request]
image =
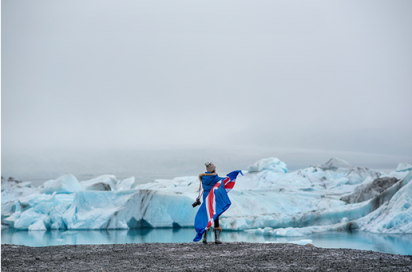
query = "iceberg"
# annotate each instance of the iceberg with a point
(404, 166)
(268, 200)
(101, 183)
(334, 164)
(126, 184)
(367, 191)
(11, 182)
(66, 184)
(395, 215)
(272, 164)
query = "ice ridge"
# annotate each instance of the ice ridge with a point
(268, 200)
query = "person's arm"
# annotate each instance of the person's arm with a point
(200, 187)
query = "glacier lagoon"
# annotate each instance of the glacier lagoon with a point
(385, 243)
(268, 204)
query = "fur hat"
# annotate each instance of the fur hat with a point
(210, 167)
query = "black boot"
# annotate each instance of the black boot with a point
(217, 235)
(205, 237)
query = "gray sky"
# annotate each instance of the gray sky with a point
(327, 75)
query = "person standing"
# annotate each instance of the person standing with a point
(215, 201)
(208, 180)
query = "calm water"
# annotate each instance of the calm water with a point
(395, 244)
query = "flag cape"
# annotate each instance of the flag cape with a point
(216, 203)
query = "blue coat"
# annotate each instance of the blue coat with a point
(208, 182)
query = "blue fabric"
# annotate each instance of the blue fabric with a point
(208, 212)
(208, 182)
(202, 217)
(233, 175)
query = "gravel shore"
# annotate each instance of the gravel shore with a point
(199, 257)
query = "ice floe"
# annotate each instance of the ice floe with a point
(268, 200)
(404, 166)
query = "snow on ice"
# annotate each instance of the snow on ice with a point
(403, 166)
(268, 200)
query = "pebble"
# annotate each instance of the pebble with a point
(198, 257)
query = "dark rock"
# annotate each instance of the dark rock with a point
(199, 257)
(369, 191)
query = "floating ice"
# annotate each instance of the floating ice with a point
(66, 184)
(126, 184)
(266, 201)
(394, 216)
(11, 182)
(101, 183)
(15, 193)
(272, 164)
(369, 190)
(302, 242)
(334, 164)
(404, 166)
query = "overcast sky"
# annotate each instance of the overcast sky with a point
(327, 75)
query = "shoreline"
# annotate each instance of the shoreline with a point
(238, 256)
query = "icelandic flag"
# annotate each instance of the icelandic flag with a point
(216, 203)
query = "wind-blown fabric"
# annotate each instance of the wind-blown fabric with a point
(216, 203)
(230, 180)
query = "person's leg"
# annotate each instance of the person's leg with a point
(205, 237)
(217, 222)
(217, 231)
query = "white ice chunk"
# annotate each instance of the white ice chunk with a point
(101, 183)
(395, 216)
(292, 232)
(367, 191)
(395, 174)
(267, 231)
(359, 174)
(30, 217)
(63, 185)
(10, 221)
(38, 225)
(302, 242)
(334, 164)
(404, 166)
(16, 192)
(259, 231)
(267, 200)
(9, 208)
(129, 209)
(126, 184)
(9, 184)
(35, 199)
(271, 164)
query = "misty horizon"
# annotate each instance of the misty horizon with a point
(148, 165)
(84, 81)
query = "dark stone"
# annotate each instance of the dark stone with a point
(369, 191)
(197, 256)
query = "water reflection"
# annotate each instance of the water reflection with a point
(395, 244)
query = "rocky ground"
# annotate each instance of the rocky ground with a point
(199, 257)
